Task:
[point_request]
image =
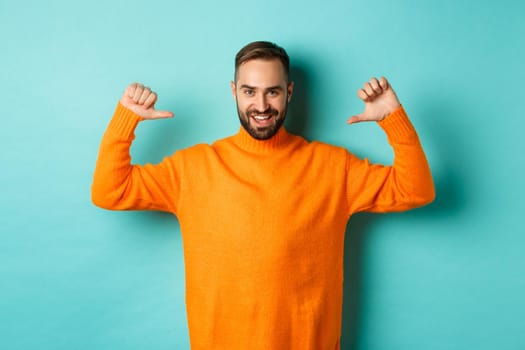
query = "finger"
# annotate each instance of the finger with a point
(375, 86)
(369, 91)
(130, 90)
(150, 100)
(145, 94)
(161, 114)
(362, 95)
(139, 89)
(384, 83)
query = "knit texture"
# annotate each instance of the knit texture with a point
(263, 225)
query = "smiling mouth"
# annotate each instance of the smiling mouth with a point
(262, 120)
(262, 117)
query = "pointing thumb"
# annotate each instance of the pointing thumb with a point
(355, 119)
(161, 114)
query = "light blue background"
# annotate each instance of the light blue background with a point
(448, 276)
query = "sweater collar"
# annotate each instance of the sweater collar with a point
(278, 141)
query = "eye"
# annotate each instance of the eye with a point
(249, 92)
(273, 93)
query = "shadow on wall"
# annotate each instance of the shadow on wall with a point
(452, 192)
(451, 156)
(299, 110)
(353, 278)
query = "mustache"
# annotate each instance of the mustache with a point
(269, 111)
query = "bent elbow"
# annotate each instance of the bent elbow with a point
(100, 201)
(427, 196)
(427, 200)
(103, 199)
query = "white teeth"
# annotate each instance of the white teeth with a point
(261, 117)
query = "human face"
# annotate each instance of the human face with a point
(262, 94)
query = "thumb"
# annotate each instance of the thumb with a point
(161, 114)
(355, 119)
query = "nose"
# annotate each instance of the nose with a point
(261, 103)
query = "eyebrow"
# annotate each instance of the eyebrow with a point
(276, 87)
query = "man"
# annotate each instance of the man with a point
(263, 213)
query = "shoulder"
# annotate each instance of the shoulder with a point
(321, 153)
(327, 149)
(195, 151)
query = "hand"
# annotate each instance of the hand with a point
(141, 101)
(380, 100)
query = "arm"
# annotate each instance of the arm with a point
(117, 184)
(408, 182)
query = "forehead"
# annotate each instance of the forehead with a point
(260, 72)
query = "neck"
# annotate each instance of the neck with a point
(247, 142)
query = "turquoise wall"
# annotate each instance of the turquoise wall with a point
(447, 276)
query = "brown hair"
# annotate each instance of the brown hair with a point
(262, 50)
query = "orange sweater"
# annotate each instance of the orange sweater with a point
(263, 225)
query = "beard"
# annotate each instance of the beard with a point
(262, 132)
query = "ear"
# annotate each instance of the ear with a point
(234, 90)
(290, 90)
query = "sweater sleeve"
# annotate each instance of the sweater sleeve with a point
(119, 185)
(404, 185)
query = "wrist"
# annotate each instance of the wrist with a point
(392, 110)
(128, 111)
